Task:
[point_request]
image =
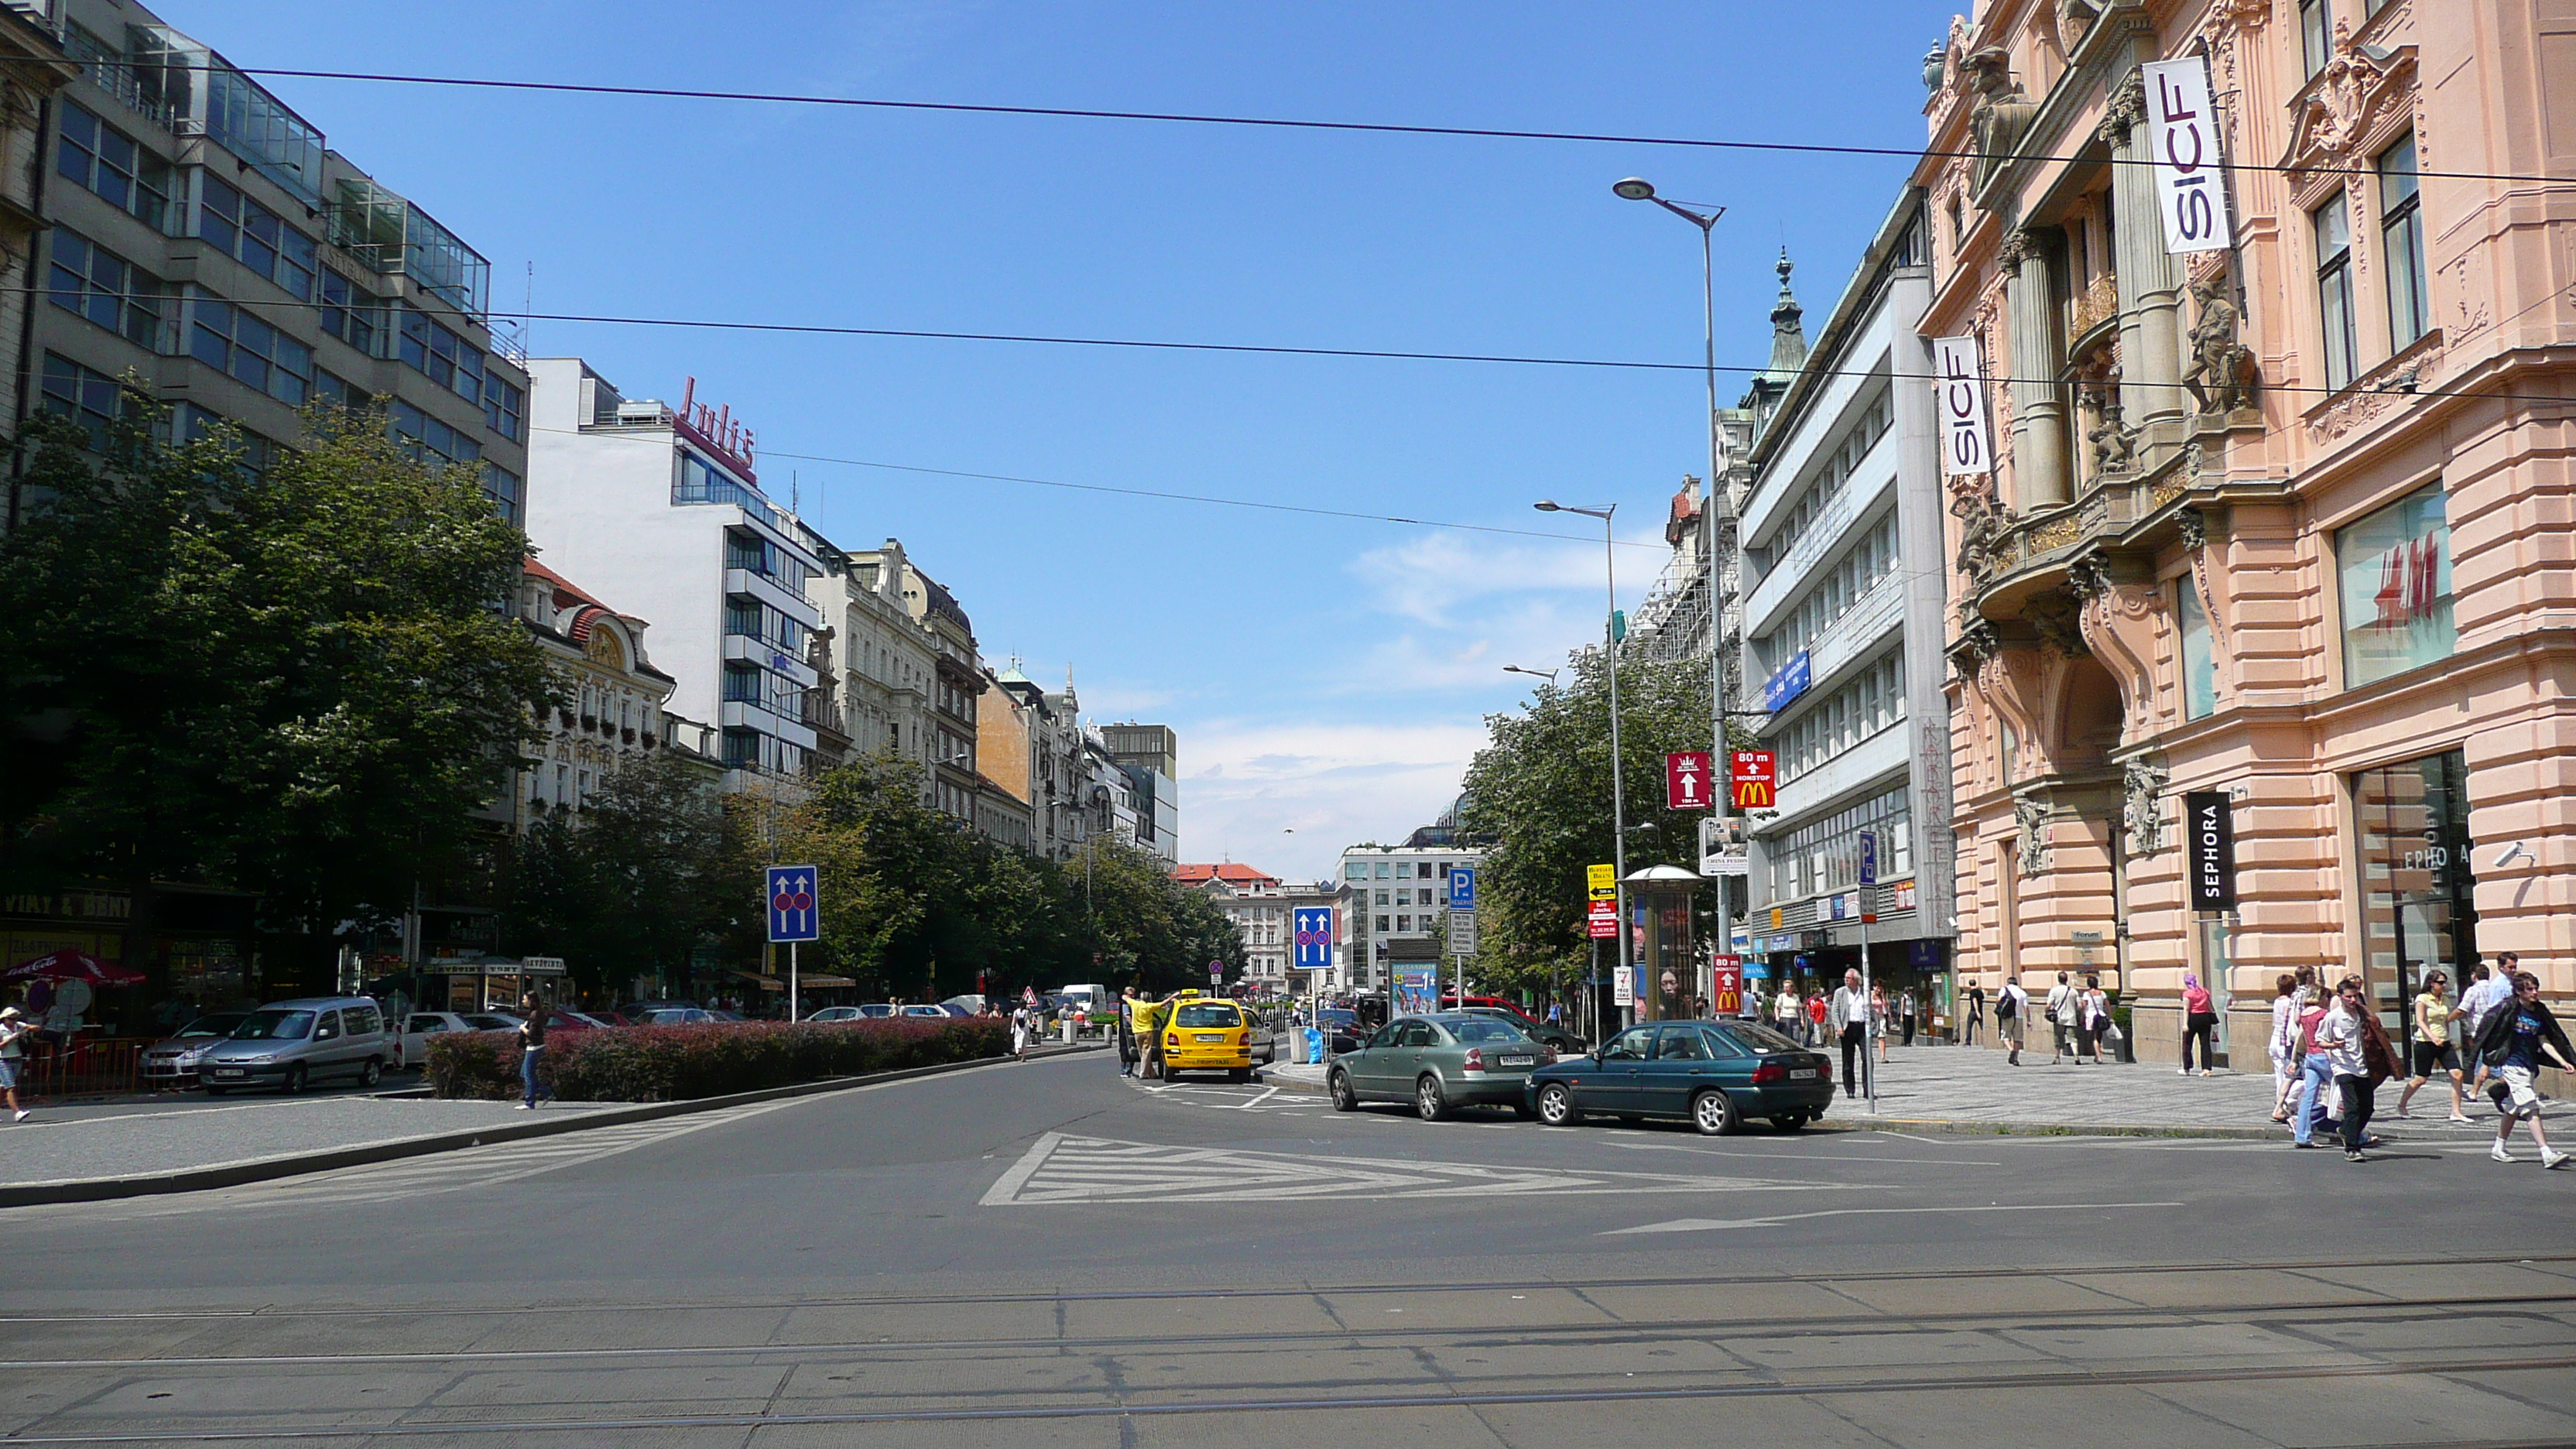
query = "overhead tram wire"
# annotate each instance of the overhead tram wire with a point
(1807, 148)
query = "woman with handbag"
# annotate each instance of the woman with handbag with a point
(2092, 1020)
(2199, 1021)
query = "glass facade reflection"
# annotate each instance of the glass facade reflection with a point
(2418, 895)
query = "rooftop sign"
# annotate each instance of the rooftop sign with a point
(717, 430)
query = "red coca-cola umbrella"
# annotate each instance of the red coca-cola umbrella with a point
(69, 965)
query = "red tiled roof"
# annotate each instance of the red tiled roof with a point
(1229, 872)
(567, 593)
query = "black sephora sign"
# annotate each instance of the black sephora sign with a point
(2210, 849)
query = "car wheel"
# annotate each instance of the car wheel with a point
(1428, 1102)
(1713, 1114)
(372, 1073)
(294, 1080)
(1556, 1106)
(1344, 1099)
(1788, 1122)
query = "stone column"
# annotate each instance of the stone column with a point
(2039, 407)
(2150, 279)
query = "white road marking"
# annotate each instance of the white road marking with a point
(1063, 1169)
(1701, 1225)
(1256, 1102)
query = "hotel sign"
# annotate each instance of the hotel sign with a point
(2209, 847)
(718, 431)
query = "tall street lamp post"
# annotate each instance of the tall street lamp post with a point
(1618, 796)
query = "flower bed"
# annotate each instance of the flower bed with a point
(677, 1063)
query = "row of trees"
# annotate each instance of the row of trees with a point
(1540, 789)
(291, 681)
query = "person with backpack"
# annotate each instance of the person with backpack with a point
(2012, 1012)
(2518, 1036)
(2065, 1008)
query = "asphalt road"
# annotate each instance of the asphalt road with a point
(1046, 1254)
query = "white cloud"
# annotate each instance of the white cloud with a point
(1461, 607)
(1245, 784)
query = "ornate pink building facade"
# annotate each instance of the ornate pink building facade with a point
(2292, 522)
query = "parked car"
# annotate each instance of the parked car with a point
(1439, 1063)
(839, 1013)
(1713, 1074)
(291, 1044)
(1341, 1028)
(918, 1009)
(1564, 1042)
(877, 1010)
(1207, 1034)
(172, 1061)
(413, 1033)
(677, 1016)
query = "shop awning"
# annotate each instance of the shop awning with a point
(827, 981)
(765, 983)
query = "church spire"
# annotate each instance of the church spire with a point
(1788, 334)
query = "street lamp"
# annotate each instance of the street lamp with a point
(1610, 638)
(1547, 674)
(1719, 505)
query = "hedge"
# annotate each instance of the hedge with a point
(677, 1063)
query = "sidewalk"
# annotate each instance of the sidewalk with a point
(1971, 1089)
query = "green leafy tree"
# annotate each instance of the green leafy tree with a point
(635, 882)
(290, 681)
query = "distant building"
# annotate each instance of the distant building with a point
(1400, 893)
(1042, 736)
(1256, 903)
(889, 663)
(666, 503)
(1150, 754)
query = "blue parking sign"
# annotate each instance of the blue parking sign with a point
(1314, 937)
(794, 895)
(1462, 887)
(1868, 858)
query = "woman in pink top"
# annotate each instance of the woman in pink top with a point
(2199, 1020)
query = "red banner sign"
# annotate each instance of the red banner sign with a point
(1727, 981)
(1687, 784)
(1754, 778)
(1604, 921)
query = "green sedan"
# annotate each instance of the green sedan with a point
(1714, 1075)
(1454, 1059)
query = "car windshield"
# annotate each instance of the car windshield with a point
(275, 1026)
(1206, 1013)
(1471, 1032)
(1335, 1016)
(1763, 1038)
(211, 1025)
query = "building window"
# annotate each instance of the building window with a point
(2401, 234)
(229, 339)
(502, 487)
(741, 749)
(2418, 891)
(1404, 923)
(100, 285)
(2199, 664)
(1823, 854)
(2316, 35)
(702, 482)
(332, 388)
(190, 423)
(436, 438)
(103, 159)
(254, 236)
(440, 355)
(91, 399)
(1381, 925)
(351, 313)
(2395, 572)
(2333, 230)
(505, 405)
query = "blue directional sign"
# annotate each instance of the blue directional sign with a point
(1314, 938)
(1868, 858)
(794, 891)
(1462, 887)
(1790, 682)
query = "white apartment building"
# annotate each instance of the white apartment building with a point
(1843, 622)
(665, 502)
(1397, 892)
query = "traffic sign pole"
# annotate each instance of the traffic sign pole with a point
(1868, 873)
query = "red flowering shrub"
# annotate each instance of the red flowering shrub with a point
(676, 1063)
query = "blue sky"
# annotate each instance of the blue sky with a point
(1327, 677)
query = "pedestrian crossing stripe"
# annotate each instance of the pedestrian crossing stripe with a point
(1060, 1169)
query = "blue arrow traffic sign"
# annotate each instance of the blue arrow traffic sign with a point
(1314, 938)
(794, 893)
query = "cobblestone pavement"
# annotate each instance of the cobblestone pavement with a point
(52, 1148)
(1971, 1084)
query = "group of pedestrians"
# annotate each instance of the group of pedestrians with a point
(2329, 1055)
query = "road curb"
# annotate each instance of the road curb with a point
(263, 1169)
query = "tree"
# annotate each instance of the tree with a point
(635, 882)
(1541, 789)
(290, 680)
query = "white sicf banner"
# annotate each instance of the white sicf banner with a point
(1965, 448)
(2182, 129)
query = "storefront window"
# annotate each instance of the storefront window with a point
(2395, 571)
(2418, 897)
(2199, 665)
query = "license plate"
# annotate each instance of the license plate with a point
(228, 1071)
(1802, 1074)
(1516, 1061)
(1212, 1038)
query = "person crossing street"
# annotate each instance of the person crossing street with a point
(2519, 1036)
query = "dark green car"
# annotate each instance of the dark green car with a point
(1712, 1074)
(1437, 1063)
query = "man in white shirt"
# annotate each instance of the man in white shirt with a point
(2064, 1001)
(2339, 1038)
(1848, 1017)
(2012, 1018)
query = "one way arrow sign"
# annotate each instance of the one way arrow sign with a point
(794, 911)
(1686, 780)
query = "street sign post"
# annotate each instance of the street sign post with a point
(1602, 881)
(1216, 973)
(1752, 775)
(795, 914)
(1314, 938)
(1462, 887)
(1603, 923)
(1867, 870)
(1727, 980)
(1686, 781)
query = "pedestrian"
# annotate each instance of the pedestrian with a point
(2064, 1002)
(2087, 1025)
(2199, 1022)
(1788, 1013)
(2357, 1051)
(2480, 1002)
(2518, 1036)
(1556, 1014)
(14, 1027)
(1127, 1032)
(2012, 1018)
(2316, 1071)
(1817, 1010)
(1152, 1021)
(2100, 1027)
(1878, 1015)
(1905, 1015)
(1976, 999)
(1021, 1029)
(1848, 1018)
(2283, 1044)
(2432, 1038)
(532, 1045)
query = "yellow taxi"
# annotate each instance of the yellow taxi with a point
(1207, 1034)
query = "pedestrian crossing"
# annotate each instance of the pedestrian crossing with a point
(1062, 1169)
